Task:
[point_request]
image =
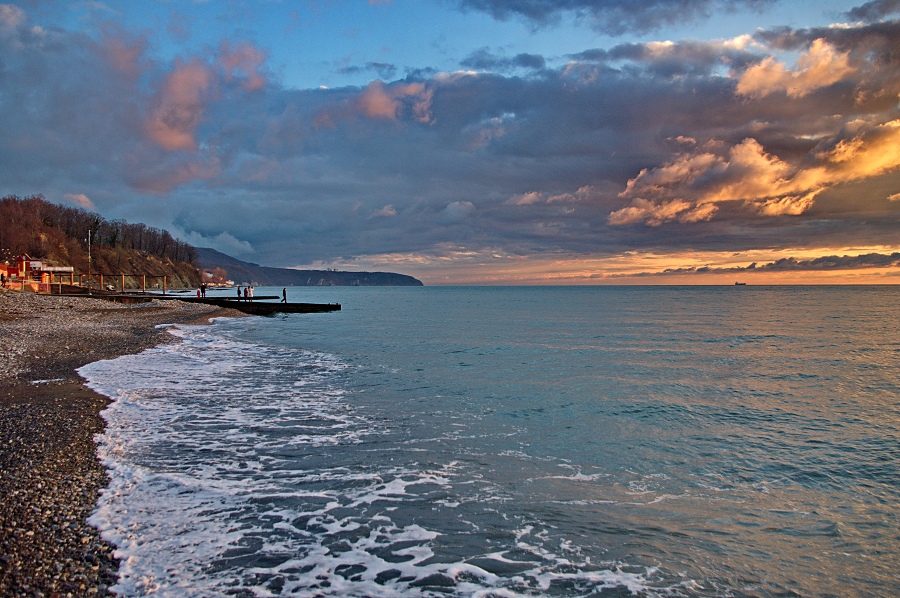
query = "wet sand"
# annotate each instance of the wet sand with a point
(50, 477)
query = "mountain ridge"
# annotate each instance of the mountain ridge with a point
(241, 271)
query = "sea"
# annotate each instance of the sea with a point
(513, 441)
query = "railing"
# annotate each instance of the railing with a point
(93, 282)
(22, 284)
(117, 281)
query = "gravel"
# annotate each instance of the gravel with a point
(50, 477)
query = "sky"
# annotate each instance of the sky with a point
(474, 141)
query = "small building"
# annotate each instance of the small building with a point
(24, 264)
(28, 268)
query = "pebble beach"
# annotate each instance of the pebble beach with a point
(50, 477)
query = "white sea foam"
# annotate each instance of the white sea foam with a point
(243, 468)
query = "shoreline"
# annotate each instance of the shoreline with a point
(50, 476)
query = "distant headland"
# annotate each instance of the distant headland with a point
(210, 260)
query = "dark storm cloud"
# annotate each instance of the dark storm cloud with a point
(614, 17)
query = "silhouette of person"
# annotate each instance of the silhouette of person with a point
(284, 295)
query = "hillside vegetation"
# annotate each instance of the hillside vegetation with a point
(59, 234)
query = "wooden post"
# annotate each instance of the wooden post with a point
(164, 285)
(123, 283)
(101, 282)
(144, 283)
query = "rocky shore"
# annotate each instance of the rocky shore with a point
(50, 477)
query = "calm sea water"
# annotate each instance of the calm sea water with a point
(654, 441)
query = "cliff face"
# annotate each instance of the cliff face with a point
(60, 234)
(239, 271)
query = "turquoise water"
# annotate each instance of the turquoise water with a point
(689, 441)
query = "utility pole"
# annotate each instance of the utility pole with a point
(89, 261)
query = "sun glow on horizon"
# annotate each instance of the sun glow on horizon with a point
(456, 266)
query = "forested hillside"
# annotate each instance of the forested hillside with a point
(44, 230)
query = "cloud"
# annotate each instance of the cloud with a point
(872, 11)
(484, 60)
(11, 17)
(125, 52)
(792, 264)
(80, 199)
(179, 106)
(376, 101)
(820, 67)
(380, 101)
(675, 58)
(243, 63)
(653, 214)
(225, 242)
(614, 17)
(160, 176)
(387, 211)
(759, 179)
(632, 148)
(180, 26)
(833, 262)
(189, 89)
(583, 194)
(457, 211)
(527, 199)
(384, 70)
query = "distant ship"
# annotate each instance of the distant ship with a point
(740, 284)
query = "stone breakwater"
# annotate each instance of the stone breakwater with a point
(50, 477)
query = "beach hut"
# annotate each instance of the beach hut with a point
(43, 271)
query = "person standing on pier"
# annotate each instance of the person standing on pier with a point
(284, 295)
